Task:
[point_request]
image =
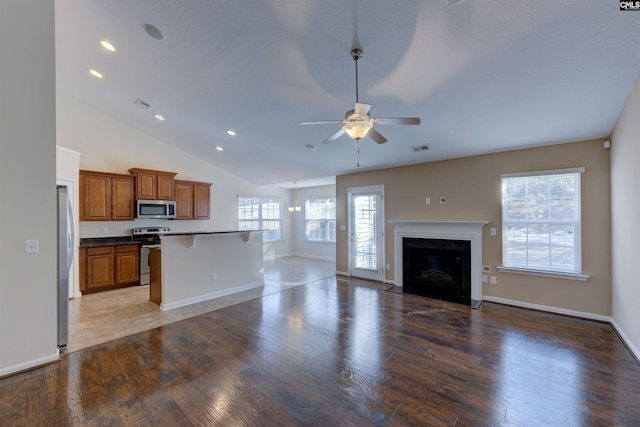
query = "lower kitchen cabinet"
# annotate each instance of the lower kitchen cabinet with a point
(109, 267)
(127, 269)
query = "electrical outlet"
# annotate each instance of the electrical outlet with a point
(214, 276)
(388, 266)
(105, 230)
(494, 280)
(493, 231)
(427, 200)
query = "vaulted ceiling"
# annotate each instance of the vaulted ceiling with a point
(483, 75)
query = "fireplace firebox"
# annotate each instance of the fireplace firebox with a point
(437, 268)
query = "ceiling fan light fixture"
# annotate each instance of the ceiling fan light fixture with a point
(357, 129)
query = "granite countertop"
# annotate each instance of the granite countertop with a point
(204, 233)
(96, 242)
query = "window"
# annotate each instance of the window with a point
(261, 213)
(320, 220)
(541, 221)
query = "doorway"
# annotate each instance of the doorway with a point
(366, 232)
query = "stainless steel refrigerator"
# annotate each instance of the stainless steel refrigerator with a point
(65, 258)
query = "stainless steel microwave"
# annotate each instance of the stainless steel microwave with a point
(157, 209)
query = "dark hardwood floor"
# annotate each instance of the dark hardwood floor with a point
(341, 352)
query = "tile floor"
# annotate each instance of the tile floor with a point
(105, 316)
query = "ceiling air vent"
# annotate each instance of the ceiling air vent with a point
(419, 148)
(140, 103)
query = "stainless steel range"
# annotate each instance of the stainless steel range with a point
(148, 237)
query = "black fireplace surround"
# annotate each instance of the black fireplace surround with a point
(437, 268)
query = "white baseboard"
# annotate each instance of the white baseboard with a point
(323, 258)
(30, 364)
(626, 339)
(207, 297)
(556, 310)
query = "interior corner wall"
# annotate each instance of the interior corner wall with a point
(625, 207)
(302, 247)
(473, 189)
(27, 185)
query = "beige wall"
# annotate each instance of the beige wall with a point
(472, 186)
(27, 184)
(301, 247)
(625, 206)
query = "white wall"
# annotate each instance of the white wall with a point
(108, 145)
(301, 247)
(625, 223)
(27, 184)
(235, 258)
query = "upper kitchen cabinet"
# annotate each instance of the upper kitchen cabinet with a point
(106, 197)
(193, 200)
(153, 185)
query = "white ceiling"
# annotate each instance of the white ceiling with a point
(483, 75)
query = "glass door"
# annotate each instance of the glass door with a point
(366, 231)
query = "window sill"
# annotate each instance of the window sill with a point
(544, 273)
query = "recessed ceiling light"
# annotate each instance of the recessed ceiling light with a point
(231, 132)
(105, 44)
(310, 147)
(95, 73)
(219, 148)
(153, 31)
(159, 117)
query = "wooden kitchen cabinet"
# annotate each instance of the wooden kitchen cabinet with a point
(99, 268)
(127, 264)
(106, 197)
(122, 207)
(184, 199)
(201, 200)
(193, 199)
(153, 184)
(109, 267)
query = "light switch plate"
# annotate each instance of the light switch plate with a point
(427, 200)
(492, 231)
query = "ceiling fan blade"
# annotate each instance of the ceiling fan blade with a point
(397, 121)
(333, 137)
(375, 135)
(323, 122)
(361, 109)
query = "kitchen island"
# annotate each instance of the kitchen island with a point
(200, 266)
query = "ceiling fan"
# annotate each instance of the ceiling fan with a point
(358, 123)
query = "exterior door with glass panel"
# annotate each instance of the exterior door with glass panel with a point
(366, 228)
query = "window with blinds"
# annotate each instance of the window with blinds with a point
(320, 220)
(541, 221)
(261, 213)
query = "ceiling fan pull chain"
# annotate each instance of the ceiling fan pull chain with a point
(358, 153)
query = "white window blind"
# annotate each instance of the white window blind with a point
(261, 213)
(541, 221)
(320, 220)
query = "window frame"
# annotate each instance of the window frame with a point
(260, 220)
(326, 221)
(576, 223)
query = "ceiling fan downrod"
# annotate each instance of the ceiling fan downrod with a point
(356, 54)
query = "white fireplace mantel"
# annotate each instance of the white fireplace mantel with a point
(447, 230)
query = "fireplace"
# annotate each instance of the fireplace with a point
(464, 236)
(437, 268)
